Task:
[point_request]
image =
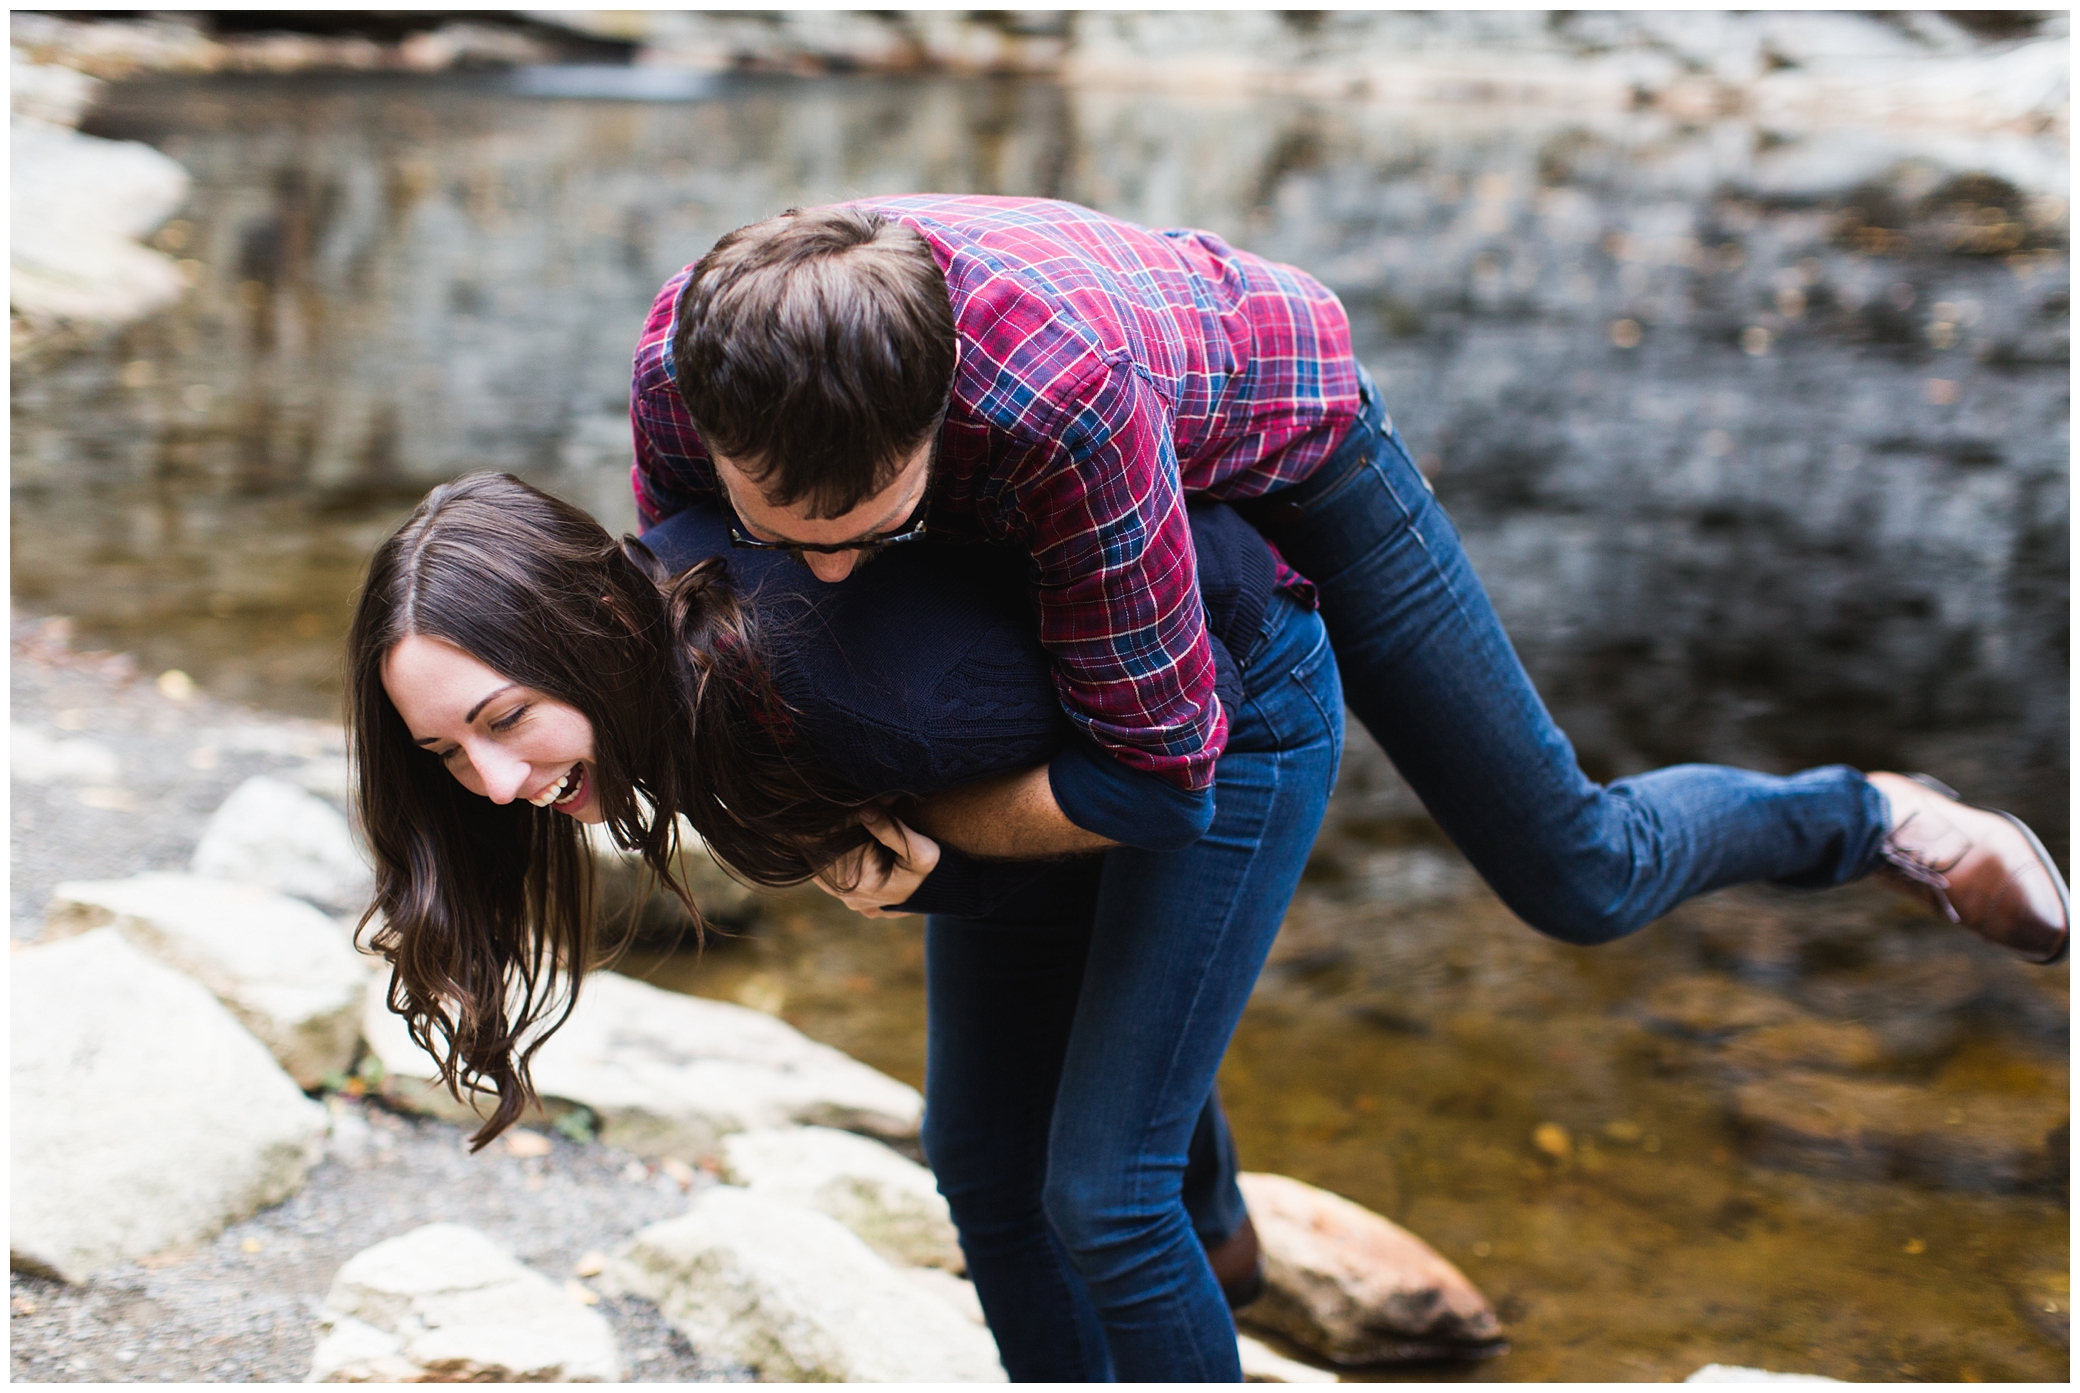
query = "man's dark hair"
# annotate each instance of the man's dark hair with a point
(815, 350)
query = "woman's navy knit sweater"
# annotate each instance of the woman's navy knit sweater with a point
(922, 670)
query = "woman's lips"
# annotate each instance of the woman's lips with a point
(574, 794)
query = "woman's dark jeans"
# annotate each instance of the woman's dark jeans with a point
(1428, 669)
(1068, 1065)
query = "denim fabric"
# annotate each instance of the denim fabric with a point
(1069, 1065)
(1426, 666)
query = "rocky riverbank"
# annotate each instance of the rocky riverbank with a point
(229, 1163)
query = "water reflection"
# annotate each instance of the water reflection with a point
(1758, 438)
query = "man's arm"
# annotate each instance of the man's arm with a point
(1011, 818)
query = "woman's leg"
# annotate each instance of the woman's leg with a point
(1427, 667)
(1000, 1000)
(1178, 942)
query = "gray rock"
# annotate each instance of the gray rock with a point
(444, 1304)
(958, 1293)
(672, 1075)
(48, 91)
(1263, 1364)
(1833, 1125)
(798, 1297)
(280, 966)
(145, 1118)
(275, 834)
(77, 204)
(1356, 1288)
(888, 1200)
(36, 758)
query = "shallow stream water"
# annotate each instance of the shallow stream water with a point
(1759, 438)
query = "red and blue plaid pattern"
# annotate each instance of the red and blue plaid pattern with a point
(1106, 372)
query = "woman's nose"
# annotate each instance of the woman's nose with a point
(500, 777)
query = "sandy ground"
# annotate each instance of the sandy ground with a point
(243, 1308)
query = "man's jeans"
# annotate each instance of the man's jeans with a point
(1068, 1065)
(1428, 669)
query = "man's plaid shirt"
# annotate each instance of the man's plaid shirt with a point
(1106, 371)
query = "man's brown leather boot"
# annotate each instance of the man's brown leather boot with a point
(1238, 1266)
(1974, 866)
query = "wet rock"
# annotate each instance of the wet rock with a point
(888, 1200)
(1734, 1373)
(444, 1304)
(1833, 1046)
(275, 834)
(36, 758)
(672, 1075)
(279, 965)
(145, 1118)
(1263, 1364)
(1914, 987)
(1708, 1007)
(797, 1297)
(2044, 1296)
(1830, 1125)
(1356, 1288)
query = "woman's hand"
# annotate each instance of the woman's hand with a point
(871, 887)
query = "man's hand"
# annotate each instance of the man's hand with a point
(871, 888)
(1011, 818)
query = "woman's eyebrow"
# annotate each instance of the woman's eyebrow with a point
(472, 716)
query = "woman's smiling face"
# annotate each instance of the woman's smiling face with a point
(499, 739)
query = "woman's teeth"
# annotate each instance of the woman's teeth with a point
(556, 794)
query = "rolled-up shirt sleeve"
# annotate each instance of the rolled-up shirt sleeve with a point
(1115, 580)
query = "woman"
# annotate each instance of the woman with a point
(505, 647)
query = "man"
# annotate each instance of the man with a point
(1033, 373)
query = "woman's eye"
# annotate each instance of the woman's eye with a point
(507, 722)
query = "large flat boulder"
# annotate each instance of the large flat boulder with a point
(672, 1075)
(798, 1297)
(888, 1200)
(282, 968)
(1356, 1288)
(271, 833)
(445, 1304)
(1834, 1125)
(145, 1118)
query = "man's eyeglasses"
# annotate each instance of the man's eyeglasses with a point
(912, 530)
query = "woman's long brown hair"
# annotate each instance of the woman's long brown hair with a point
(484, 911)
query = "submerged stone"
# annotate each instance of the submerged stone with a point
(1871, 1129)
(1357, 1288)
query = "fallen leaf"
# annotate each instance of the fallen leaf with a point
(523, 1143)
(581, 1293)
(591, 1265)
